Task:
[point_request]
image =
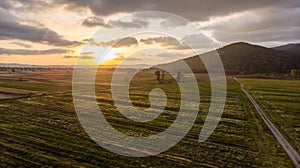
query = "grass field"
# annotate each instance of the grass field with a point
(281, 102)
(44, 130)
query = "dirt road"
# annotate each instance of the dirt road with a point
(294, 156)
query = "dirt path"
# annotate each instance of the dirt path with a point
(294, 156)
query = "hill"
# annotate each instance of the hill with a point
(244, 58)
(291, 48)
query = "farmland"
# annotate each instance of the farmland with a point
(43, 129)
(280, 100)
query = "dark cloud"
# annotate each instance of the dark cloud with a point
(14, 30)
(5, 4)
(87, 53)
(171, 22)
(97, 21)
(34, 5)
(259, 27)
(195, 10)
(93, 22)
(11, 29)
(4, 51)
(125, 42)
(275, 20)
(90, 42)
(166, 22)
(135, 23)
(196, 41)
(258, 20)
(265, 35)
(165, 41)
(26, 5)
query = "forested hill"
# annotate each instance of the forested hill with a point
(244, 58)
(291, 48)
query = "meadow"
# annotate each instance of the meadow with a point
(280, 100)
(43, 130)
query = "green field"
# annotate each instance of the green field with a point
(44, 130)
(280, 100)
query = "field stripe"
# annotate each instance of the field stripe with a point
(294, 156)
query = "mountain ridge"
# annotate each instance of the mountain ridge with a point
(245, 58)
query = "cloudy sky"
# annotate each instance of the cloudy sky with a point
(58, 32)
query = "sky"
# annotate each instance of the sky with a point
(63, 32)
